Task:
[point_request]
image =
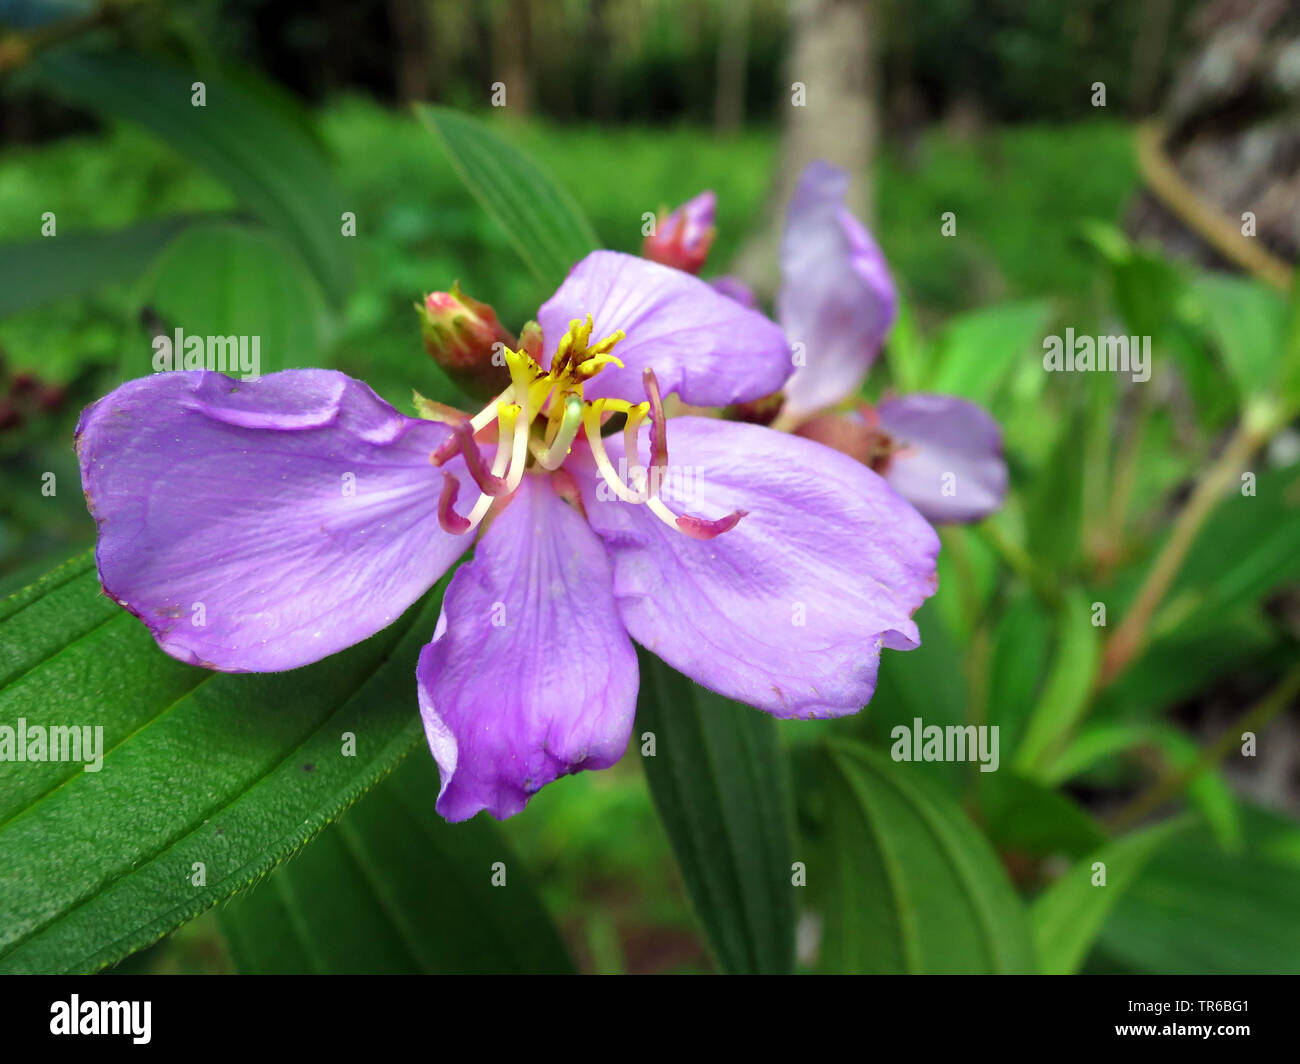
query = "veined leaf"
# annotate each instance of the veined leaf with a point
(914, 886)
(1069, 914)
(391, 888)
(207, 779)
(719, 782)
(230, 280)
(542, 221)
(268, 161)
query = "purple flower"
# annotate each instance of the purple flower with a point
(263, 525)
(837, 303)
(682, 239)
(837, 300)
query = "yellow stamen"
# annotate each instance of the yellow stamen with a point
(556, 395)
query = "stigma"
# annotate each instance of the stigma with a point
(540, 416)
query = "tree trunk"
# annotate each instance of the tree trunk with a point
(832, 61)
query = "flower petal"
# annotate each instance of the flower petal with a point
(709, 349)
(837, 298)
(261, 525)
(530, 675)
(735, 288)
(950, 464)
(789, 609)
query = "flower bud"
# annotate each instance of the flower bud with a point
(682, 239)
(465, 338)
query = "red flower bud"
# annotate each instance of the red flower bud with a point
(465, 338)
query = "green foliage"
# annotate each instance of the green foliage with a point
(214, 778)
(391, 888)
(270, 163)
(226, 221)
(1242, 905)
(538, 217)
(719, 784)
(913, 886)
(228, 280)
(1068, 915)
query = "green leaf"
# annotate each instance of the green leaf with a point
(1246, 319)
(929, 683)
(976, 350)
(542, 221)
(391, 888)
(1019, 658)
(906, 354)
(719, 782)
(1241, 907)
(1069, 914)
(1249, 547)
(1054, 507)
(38, 271)
(1069, 685)
(230, 280)
(1208, 792)
(1289, 372)
(268, 161)
(913, 886)
(202, 772)
(1025, 817)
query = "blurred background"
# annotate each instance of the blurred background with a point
(1100, 160)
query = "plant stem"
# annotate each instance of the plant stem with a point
(1131, 635)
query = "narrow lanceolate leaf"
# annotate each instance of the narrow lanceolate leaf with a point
(269, 162)
(719, 782)
(1067, 917)
(912, 885)
(391, 888)
(200, 782)
(1068, 688)
(541, 219)
(37, 271)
